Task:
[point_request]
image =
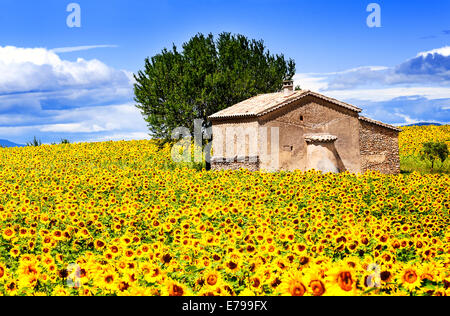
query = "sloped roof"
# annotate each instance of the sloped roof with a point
(266, 103)
(366, 119)
(320, 138)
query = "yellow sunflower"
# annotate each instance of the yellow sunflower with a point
(316, 285)
(409, 278)
(292, 284)
(152, 273)
(11, 288)
(8, 233)
(341, 280)
(2, 272)
(174, 288)
(212, 278)
(108, 280)
(60, 291)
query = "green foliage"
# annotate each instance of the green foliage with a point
(208, 75)
(65, 141)
(415, 163)
(433, 151)
(406, 254)
(35, 142)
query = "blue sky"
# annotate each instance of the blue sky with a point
(60, 82)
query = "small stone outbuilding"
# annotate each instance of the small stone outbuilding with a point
(302, 130)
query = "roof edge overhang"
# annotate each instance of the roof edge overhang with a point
(320, 138)
(283, 104)
(233, 116)
(369, 120)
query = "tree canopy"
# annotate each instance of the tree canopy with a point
(433, 151)
(176, 87)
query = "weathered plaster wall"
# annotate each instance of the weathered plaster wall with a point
(379, 148)
(235, 138)
(233, 142)
(322, 156)
(319, 116)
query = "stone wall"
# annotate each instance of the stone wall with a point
(379, 148)
(249, 163)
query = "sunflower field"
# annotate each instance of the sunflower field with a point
(411, 142)
(412, 138)
(115, 218)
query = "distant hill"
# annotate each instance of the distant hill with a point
(7, 143)
(424, 124)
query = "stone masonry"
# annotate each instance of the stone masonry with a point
(249, 163)
(379, 148)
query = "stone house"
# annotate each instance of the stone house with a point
(302, 130)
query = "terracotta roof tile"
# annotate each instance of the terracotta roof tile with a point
(320, 138)
(366, 119)
(266, 103)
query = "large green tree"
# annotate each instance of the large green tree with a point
(433, 151)
(208, 75)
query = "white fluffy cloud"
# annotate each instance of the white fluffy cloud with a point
(444, 51)
(96, 119)
(45, 95)
(384, 94)
(415, 90)
(79, 48)
(99, 123)
(38, 69)
(425, 69)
